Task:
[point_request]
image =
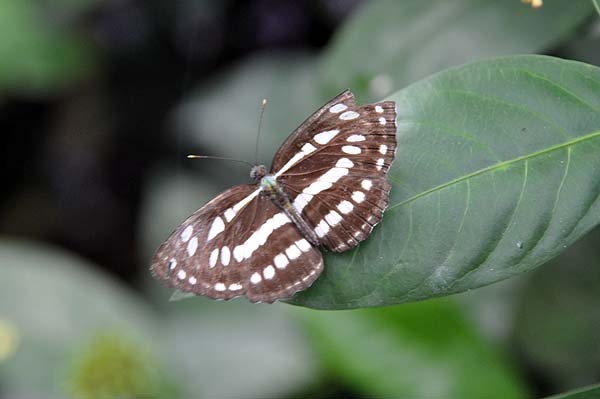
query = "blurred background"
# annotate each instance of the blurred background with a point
(100, 101)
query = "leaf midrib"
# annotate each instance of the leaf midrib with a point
(497, 166)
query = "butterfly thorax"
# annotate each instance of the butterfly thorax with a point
(275, 192)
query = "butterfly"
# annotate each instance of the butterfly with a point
(327, 187)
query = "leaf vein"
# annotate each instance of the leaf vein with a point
(558, 86)
(504, 230)
(450, 250)
(552, 213)
(496, 167)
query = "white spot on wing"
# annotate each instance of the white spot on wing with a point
(235, 287)
(333, 175)
(333, 218)
(306, 149)
(383, 149)
(344, 163)
(345, 207)
(301, 201)
(214, 255)
(238, 253)
(358, 196)
(293, 160)
(349, 115)
(225, 255)
(255, 278)
(355, 138)
(229, 214)
(217, 227)
(269, 272)
(192, 280)
(366, 184)
(324, 182)
(382, 121)
(317, 187)
(378, 109)
(351, 149)
(181, 274)
(281, 261)
(220, 287)
(280, 219)
(258, 238)
(187, 233)
(192, 246)
(303, 245)
(245, 201)
(337, 108)
(380, 163)
(172, 264)
(293, 252)
(322, 228)
(325, 137)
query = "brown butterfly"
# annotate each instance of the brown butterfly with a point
(327, 186)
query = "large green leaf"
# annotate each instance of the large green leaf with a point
(421, 350)
(497, 171)
(389, 44)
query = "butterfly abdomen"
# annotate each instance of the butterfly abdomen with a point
(282, 201)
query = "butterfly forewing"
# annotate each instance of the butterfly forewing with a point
(340, 185)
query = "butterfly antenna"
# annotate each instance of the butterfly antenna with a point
(192, 156)
(263, 105)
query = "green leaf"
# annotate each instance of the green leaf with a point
(421, 350)
(592, 392)
(497, 171)
(389, 44)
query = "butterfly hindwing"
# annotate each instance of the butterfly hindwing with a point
(288, 264)
(221, 249)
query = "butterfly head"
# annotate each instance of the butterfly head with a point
(258, 172)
